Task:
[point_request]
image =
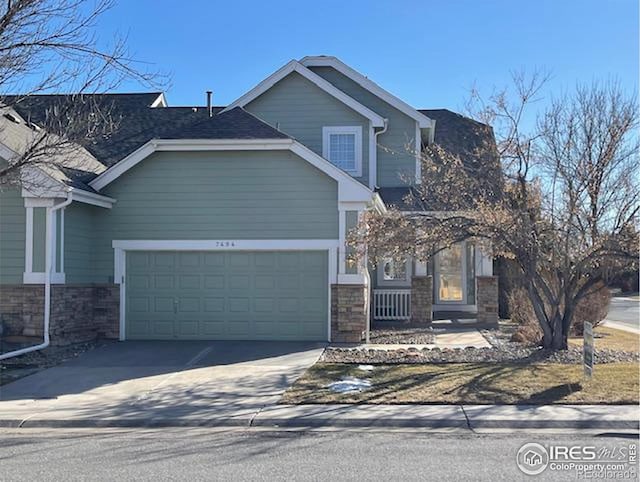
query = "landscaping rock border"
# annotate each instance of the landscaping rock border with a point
(403, 336)
(470, 355)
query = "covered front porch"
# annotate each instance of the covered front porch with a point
(456, 288)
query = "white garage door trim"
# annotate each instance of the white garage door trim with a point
(122, 246)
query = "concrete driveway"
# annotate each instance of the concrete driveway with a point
(159, 383)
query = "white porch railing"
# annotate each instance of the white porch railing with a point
(391, 304)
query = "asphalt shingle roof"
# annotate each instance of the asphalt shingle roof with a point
(136, 122)
(471, 141)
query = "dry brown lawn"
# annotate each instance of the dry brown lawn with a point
(472, 383)
(606, 337)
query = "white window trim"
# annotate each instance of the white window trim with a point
(327, 131)
(122, 246)
(384, 283)
(38, 277)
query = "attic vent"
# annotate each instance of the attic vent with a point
(12, 118)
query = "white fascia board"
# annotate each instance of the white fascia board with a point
(92, 198)
(311, 61)
(294, 66)
(379, 204)
(160, 101)
(349, 189)
(224, 245)
(222, 144)
(38, 202)
(124, 165)
(154, 145)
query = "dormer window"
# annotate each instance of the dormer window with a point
(342, 146)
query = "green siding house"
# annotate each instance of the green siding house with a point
(229, 222)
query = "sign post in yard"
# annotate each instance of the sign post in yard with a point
(588, 349)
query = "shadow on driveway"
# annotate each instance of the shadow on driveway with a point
(143, 379)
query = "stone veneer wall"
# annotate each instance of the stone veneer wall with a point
(348, 313)
(487, 298)
(421, 299)
(78, 312)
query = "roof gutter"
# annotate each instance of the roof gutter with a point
(47, 284)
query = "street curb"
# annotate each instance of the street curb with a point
(559, 424)
(123, 423)
(301, 422)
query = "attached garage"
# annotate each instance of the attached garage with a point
(226, 295)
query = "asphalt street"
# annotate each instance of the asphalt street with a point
(250, 454)
(625, 311)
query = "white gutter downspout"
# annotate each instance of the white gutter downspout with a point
(373, 176)
(47, 284)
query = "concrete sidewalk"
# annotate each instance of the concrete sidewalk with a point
(621, 326)
(606, 417)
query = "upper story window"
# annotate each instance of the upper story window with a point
(342, 146)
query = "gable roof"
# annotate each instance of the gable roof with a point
(468, 139)
(330, 61)
(349, 189)
(136, 123)
(72, 163)
(37, 105)
(294, 66)
(471, 141)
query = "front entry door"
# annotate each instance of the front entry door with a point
(450, 275)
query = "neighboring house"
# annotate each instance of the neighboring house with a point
(230, 222)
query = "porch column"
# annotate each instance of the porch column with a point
(421, 299)
(348, 312)
(487, 299)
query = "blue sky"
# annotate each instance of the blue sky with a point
(427, 52)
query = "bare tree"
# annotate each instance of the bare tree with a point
(51, 46)
(565, 210)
